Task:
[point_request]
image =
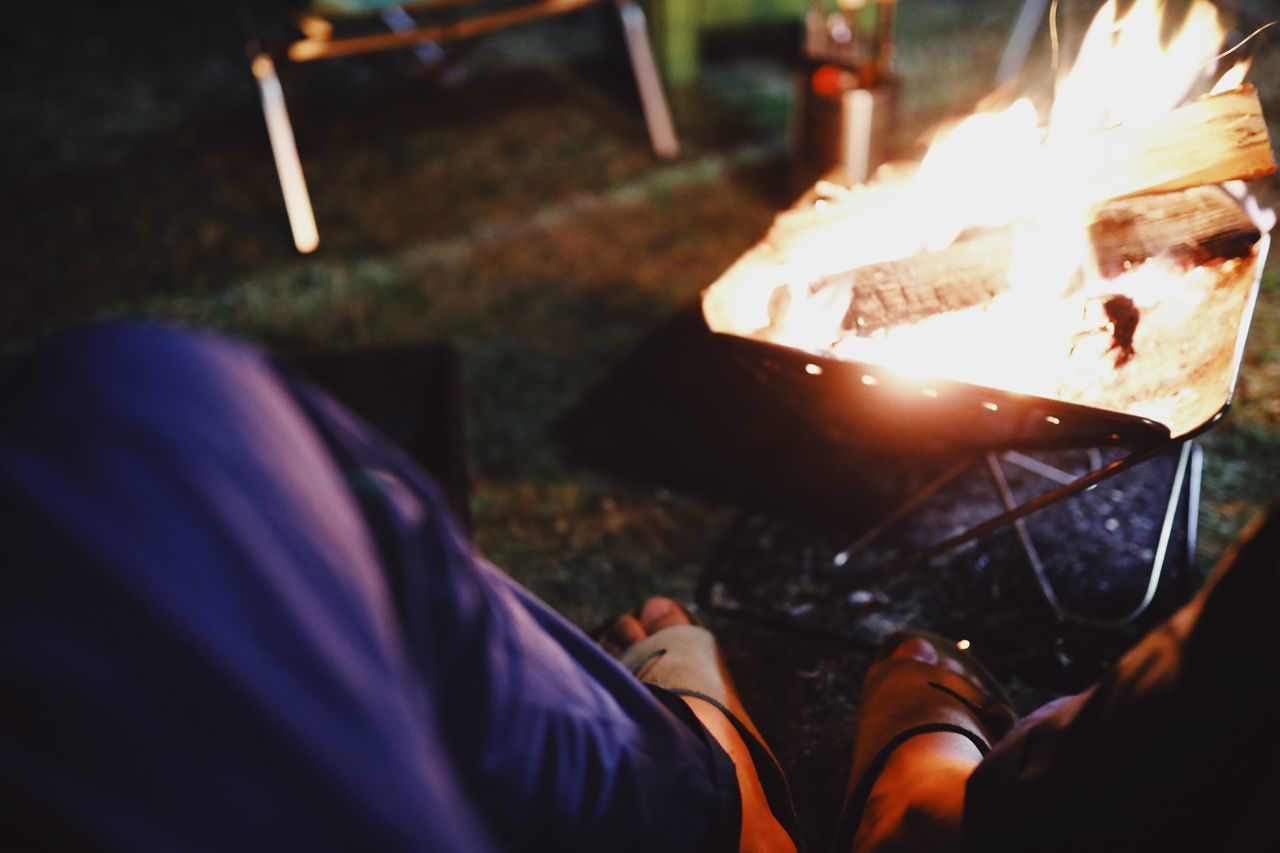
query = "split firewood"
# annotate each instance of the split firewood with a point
(1191, 227)
(1210, 140)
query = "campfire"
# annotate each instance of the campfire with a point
(1102, 250)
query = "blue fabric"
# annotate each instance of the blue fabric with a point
(231, 616)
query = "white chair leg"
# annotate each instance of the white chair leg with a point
(1019, 45)
(297, 202)
(657, 115)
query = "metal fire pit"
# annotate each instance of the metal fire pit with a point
(868, 403)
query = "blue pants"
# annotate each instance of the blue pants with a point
(232, 617)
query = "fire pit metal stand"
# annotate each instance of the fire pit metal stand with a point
(1186, 480)
(867, 405)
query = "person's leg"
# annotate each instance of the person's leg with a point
(928, 715)
(1171, 750)
(917, 801)
(231, 614)
(553, 794)
(195, 643)
(761, 828)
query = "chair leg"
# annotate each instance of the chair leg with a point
(293, 184)
(1019, 46)
(657, 115)
(429, 53)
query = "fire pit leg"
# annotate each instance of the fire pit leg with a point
(750, 533)
(1020, 525)
(1186, 476)
(1014, 514)
(904, 509)
(1194, 474)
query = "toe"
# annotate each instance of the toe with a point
(625, 632)
(660, 612)
(915, 648)
(958, 668)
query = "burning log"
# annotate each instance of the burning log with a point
(844, 272)
(1192, 227)
(967, 273)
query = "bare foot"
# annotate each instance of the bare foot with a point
(923, 651)
(917, 801)
(760, 829)
(652, 616)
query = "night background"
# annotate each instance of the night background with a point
(506, 202)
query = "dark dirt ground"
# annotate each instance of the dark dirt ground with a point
(514, 210)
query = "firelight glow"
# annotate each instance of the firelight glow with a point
(1233, 78)
(1010, 167)
(1125, 73)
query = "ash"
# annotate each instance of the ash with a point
(1097, 549)
(800, 630)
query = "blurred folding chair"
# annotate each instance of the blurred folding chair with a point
(411, 26)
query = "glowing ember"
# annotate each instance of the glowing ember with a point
(1034, 184)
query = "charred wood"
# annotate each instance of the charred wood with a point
(1123, 316)
(1191, 227)
(967, 273)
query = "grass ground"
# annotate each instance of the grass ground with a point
(516, 212)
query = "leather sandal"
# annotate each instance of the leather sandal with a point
(685, 660)
(902, 698)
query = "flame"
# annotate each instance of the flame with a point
(1007, 167)
(1233, 78)
(1125, 71)
(977, 173)
(989, 170)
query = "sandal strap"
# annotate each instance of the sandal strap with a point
(602, 631)
(682, 657)
(772, 780)
(945, 648)
(851, 817)
(685, 660)
(922, 698)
